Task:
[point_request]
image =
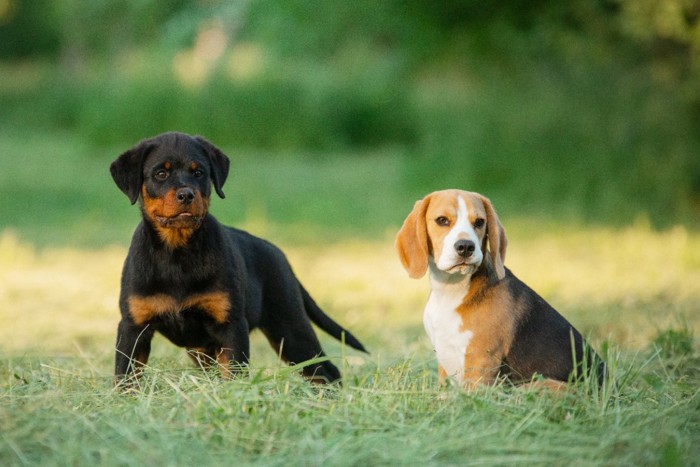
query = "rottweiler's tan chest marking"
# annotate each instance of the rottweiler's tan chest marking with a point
(144, 309)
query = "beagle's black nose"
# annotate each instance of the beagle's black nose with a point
(464, 248)
(184, 195)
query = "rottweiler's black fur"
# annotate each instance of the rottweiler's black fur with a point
(203, 285)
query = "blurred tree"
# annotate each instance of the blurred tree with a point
(663, 34)
(33, 28)
(666, 34)
(562, 86)
(27, 29)
(105, 28)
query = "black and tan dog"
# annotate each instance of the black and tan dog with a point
(482, 320)
(203, 285)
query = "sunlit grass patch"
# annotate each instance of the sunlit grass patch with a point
(57, 300)
(618, 285)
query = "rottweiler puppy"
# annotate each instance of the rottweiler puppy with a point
(202, 285)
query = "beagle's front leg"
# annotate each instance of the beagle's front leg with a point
(480, 369)
(442, 375)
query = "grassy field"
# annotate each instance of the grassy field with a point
(635, 291)
(57, 331)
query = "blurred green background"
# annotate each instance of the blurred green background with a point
(339, 114)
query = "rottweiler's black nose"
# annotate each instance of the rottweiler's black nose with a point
(184, 195)
(464, 248)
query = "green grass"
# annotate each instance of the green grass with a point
(64, 411)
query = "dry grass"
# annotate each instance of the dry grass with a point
(622, 286)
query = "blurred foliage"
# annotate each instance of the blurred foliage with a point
(589, 107)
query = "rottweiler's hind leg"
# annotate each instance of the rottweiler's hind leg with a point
(300, 348)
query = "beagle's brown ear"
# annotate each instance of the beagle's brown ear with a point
(498, 242)
(127, 169)
(412, 241)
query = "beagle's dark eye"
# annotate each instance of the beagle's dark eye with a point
(479, 223)
(161, 175)
(442, 221)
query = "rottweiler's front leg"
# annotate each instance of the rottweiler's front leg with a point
(133, 349)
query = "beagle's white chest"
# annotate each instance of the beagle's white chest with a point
(444, 328)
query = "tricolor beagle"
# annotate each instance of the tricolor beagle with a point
(483, 321)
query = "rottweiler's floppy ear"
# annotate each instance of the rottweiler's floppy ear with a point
(219, 164)
(127, 169)
(412, 241)
(498, 242)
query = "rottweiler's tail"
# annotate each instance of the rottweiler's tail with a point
(325, 322)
